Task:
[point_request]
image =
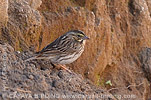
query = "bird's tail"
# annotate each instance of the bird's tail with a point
(31, 58)
(36, 56)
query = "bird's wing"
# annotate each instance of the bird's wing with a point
(61, 45)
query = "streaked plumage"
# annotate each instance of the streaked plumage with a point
(65, 49)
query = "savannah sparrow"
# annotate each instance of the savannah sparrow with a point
(65, 49)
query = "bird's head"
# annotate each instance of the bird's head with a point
(77, 35)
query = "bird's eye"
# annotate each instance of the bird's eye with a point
(79, 35)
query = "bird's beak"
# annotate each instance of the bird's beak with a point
(85, 37)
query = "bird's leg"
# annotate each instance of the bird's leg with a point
(63, 66)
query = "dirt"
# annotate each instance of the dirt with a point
(32, 80)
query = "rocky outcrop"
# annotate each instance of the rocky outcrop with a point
(116, 31)
(3, 12)
(145, 59)
(23, 25)
(20, 79)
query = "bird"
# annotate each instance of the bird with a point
(64, 50)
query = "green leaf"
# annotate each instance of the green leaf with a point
(108, 82)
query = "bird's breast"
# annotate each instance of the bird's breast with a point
(69, 58)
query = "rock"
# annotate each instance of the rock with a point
(116, 32)
(3, 12)
(24, 78)
(145, 59)
(23, 26)
(34, 4)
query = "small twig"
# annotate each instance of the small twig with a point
(25, 91)
(146, 90)
(134, 85)
(19, 90)
(137, 72)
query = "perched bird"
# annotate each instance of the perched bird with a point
(65, 49)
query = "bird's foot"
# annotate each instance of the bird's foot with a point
(63, 66)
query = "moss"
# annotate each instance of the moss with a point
(98, 80)
(18, 46)
(20, 49)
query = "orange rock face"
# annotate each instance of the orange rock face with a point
(116, 29)
(4, 13)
